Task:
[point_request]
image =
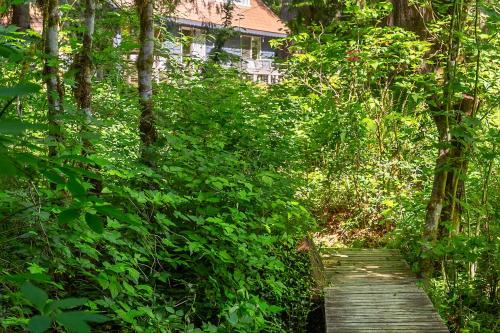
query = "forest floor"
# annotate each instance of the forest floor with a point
(337, 232)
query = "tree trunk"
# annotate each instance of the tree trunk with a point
(436, 200)
(409, 16)
(413, 18)
(455, 187)
(51, 72)
(83, 77)
(21, 16)
(145, 70)
(287, 12)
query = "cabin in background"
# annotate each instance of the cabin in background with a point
(252, 21)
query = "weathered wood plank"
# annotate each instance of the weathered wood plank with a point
(374, 290)
(386, 330)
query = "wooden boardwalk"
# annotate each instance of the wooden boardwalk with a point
(373, 290)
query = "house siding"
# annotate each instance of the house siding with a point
(261, 69)
(231, 46)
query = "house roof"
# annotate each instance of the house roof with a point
(256, 18)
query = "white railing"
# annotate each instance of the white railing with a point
(261, 70)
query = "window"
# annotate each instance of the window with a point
(187, 41)
(250, 47)
(246, 47)
(256, 47)
(193, 43)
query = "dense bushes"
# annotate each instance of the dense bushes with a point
(203, 240)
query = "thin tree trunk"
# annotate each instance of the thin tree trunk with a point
(21, 16)
(222, 35)
(145, 71)
(51, 72)
(287, 12)
(83, 77)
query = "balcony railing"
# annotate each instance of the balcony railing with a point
(260, 70)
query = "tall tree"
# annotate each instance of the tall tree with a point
(145, 72)
(51, 71)
(445, 111)
(449, 113)
(83, 78)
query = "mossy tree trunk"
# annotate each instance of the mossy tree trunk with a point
(83, 76)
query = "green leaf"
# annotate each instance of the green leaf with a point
(76, 188)
(54, 177)
(275, 309)
(8, 168)
(19, 90)
(34, 295)
(75, 321)
(94, 317)
(94, 222)
(67, 303)
(112, 212)
(21, 278)
(14, 126)
(68, 215)
(7, 51)
(39, 324)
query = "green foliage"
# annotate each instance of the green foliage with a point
(198, 243)
(55, 311)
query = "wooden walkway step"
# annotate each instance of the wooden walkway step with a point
(374, 290)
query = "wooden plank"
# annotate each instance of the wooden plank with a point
(373, 290)
(386, 330)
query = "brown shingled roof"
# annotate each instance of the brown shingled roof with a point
(257, 16)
